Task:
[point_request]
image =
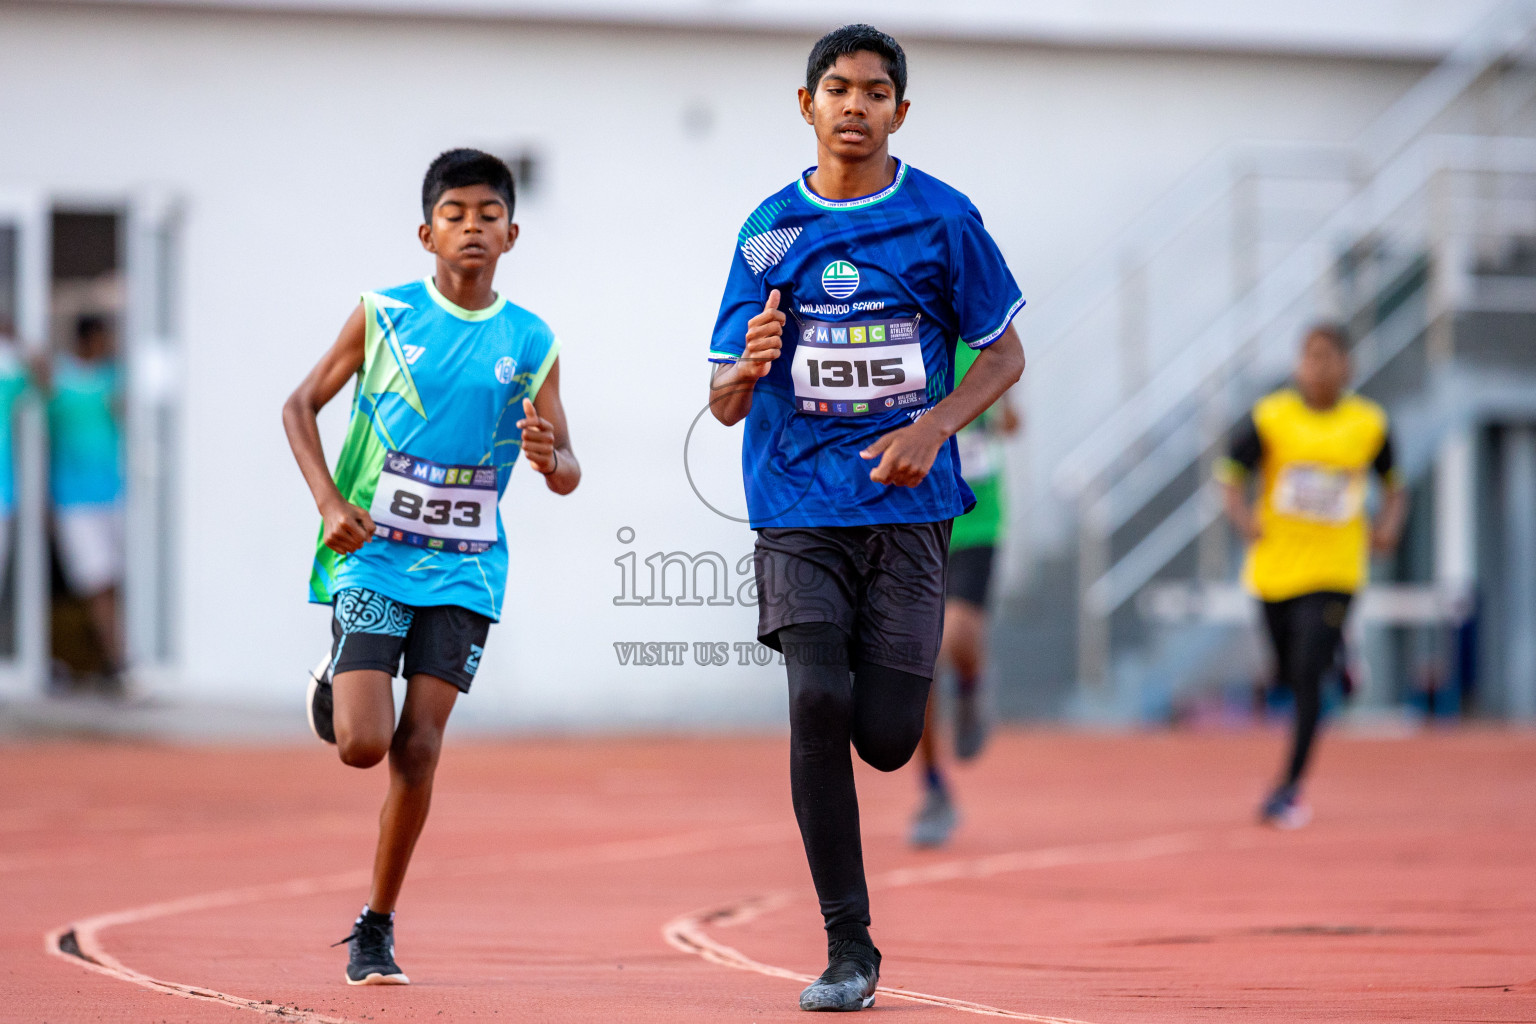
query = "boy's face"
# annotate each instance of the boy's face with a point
(469, 229)
(854, 108)
(94, 345)
(1323, 372)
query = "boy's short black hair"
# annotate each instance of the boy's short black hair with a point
(458, 168)
(851, 39)
(88, 324)
(1333, 332)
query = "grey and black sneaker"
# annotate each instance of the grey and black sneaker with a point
(1284, 809)
(371, 951)
(848, 983)
(318, 701)
(935, 819)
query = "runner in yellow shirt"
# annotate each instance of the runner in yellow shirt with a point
(1311, 449)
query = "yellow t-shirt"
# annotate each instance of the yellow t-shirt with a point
(1313, 469)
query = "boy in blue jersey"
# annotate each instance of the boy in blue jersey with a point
(452, 381)
(848, 293)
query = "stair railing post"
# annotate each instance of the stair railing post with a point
(1133, 300)
(1443, 268)
(1093, 547)
(1519, 513)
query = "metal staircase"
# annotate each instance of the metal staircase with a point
(1148, 356)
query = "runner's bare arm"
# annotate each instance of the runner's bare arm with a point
(1234, 500)
(1388, 527)
(906, 455)
(347, 527)
(731, 384)
(546, 437)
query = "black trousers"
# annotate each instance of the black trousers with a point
(835, 704)
(1306, 632)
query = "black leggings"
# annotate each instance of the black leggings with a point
(880, 711)
(1306, 632)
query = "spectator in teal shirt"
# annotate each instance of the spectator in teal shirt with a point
(85, 476)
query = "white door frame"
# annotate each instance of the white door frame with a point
(26, 674)
(152, 360)
(149, 232)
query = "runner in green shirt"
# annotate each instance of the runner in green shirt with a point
(972, 544)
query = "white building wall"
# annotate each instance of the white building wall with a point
(298, 143)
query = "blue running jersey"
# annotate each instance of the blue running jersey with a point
(878, 292)
(439, 395)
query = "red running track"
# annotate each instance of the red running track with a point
(1094, 878)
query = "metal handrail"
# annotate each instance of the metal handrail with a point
(1207, 355)
(1504, 32)
(1136, 568)
(1151, 231)
(1180, 447)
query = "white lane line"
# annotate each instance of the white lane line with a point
(93, 955)
(687, 932)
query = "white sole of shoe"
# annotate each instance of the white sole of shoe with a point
(1296, 817)
(381, 979)
(309, 705)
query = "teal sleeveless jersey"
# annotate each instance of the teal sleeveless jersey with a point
(439, 394)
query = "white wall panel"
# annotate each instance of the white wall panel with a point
(298, 143)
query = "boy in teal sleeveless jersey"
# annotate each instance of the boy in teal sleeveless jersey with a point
(452, 382)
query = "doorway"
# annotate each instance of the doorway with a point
(87, 281)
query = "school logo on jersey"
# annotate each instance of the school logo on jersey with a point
(840, 279)
(506, 369)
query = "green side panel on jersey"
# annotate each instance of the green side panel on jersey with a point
(384, 371)
(982, 526)
(761, 220)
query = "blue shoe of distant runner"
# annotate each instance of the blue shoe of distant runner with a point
(848, 983)
(1284, 809)
(935, 819)
(970, 724)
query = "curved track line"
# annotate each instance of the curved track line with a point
(687, 931)
(93, 956)
(90, 953)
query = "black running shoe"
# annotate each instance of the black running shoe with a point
(848, 983)
(318, 702)
(371, 949)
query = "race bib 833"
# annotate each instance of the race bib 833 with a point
(445, 508)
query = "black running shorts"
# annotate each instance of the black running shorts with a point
(970, 575)
(371, 631)
(882, 585)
